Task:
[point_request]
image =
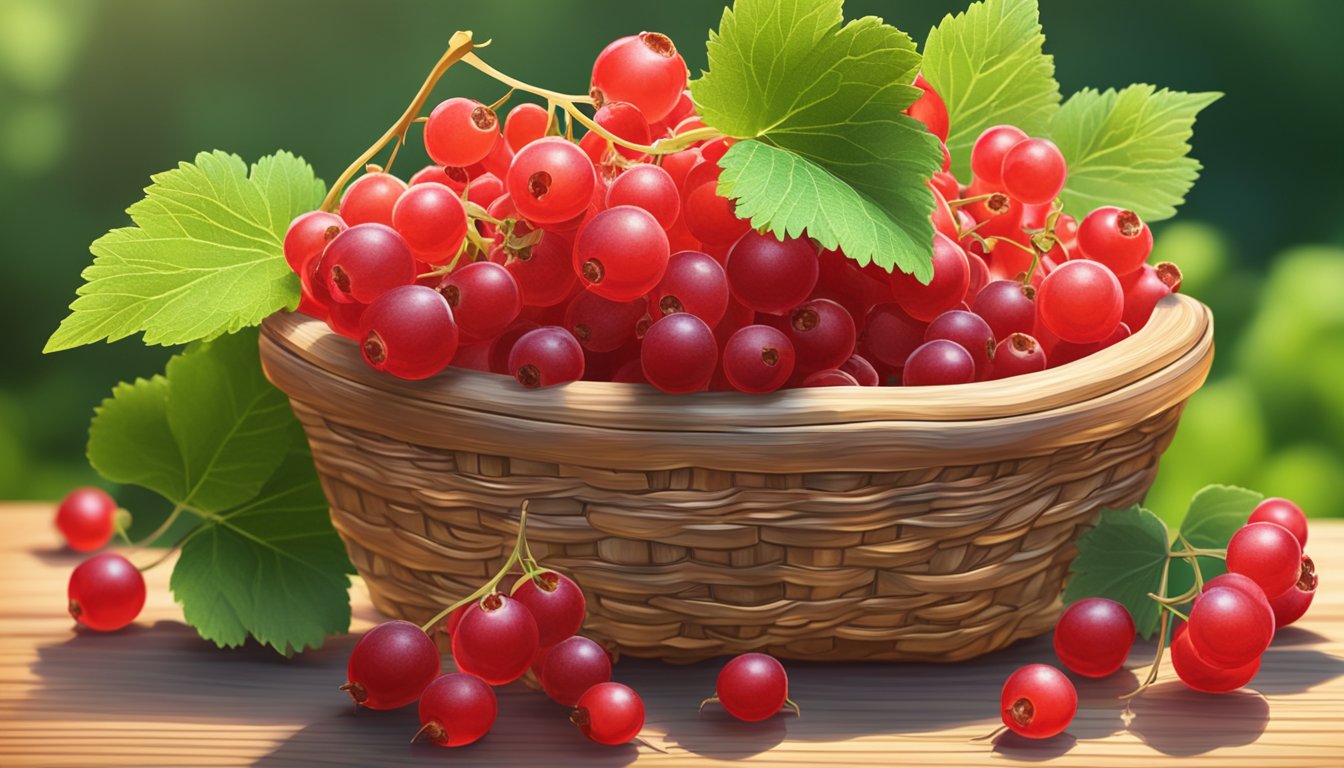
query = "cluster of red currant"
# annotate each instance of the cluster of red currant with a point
(526, 253)
(1270, 583)
(497, 637)
(106, 592)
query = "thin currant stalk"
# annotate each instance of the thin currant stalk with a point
(519, 555)
(1167, 605)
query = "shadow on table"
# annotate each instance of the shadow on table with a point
(165, 672)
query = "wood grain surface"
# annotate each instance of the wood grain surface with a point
(156, 694)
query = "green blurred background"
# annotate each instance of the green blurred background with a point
(96, 96)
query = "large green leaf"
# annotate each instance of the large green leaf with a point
(205, 255)
(1129, 148)
(987, 64)
(1215, 513)
(825, 146)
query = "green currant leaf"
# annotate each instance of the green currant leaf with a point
(216, 439)
(205, 255)
(988, 66)
(272, 568)
(1129, 148)
(1215, 513)
(825, 146)
(1121, 558)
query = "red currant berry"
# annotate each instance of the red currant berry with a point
(391, 665)
(1228, 628)
(679, 354)
(1284, 513)
(370, 199)
(525, 124)
(1244, 585)
(758, 359)
(752, 687)
(1033, 171)
(1268, 553)
(987, 154)
(551, 180)
(546, 357)
(457, 709)
(643, 69)
(694, 282)
(484, 297)
(460, 132)
(938, 362)
(1094, 636)
(1016, 355)
(495, 640)
(364, 262)
(890, 335)
(1081, 302)
(621, 254)
(1202, 676)
(770, 275)
(308, 236)
(1293, 603)
(556, 603)
(951, 275)
(106, 592)
(648, 187)
(1115, 237)
(1008, 306)
(609, 713)
(1142, 295)
(968, 330)
(453, 178)
(409, 332)
(822, 333)
(571, 667)
(1038, 701)
(87, 519)
(432, 221)
(929, 109)
(603, 325)
(711, 218)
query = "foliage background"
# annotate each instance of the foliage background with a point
(95, 95)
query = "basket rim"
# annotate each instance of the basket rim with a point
(1180, 326)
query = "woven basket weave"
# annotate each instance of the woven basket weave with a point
(841, 523)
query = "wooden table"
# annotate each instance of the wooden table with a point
(156, 694)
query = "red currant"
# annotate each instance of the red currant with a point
(525, 124)
(862, 371)
(571, 667)
(1094, 636)
(1008, 306)
(1016, 355)
(1203, 676)
(1268, 553)
(460, 132)
(86, 518)
(457, 709)
(758, 359)
(1033, 171)
(364, 262)
(752, 687)
(609, 713)
(1228, 628)
(890, 335)
(551, 180)
(1038, 701)
(543, 271)
(822, 333)
(1115, 237)
(409, 332)
(556, 603)
(770, 275)
(391, 665)
(679, 354)
(484, 297)
(622, 253)
(938, 362)
(711, 218)
(495, 640)
(603, 325)
(370, 198)
(1141, 296)
(987, 154)
(930, 109)
(1081, 302)
(622, 120)
(830, 377)
(1284, 513)
(1289, 606)
(545, 357)
(648, 187)
(1244, 585)
(694, 282)
(106, 592)
(432, 221)
(308, 236)
(968, 330)
(643, 69)
(951, 275)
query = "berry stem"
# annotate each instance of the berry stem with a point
(459, 45)
(490, 586)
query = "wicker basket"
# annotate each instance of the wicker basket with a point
(931, 524)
